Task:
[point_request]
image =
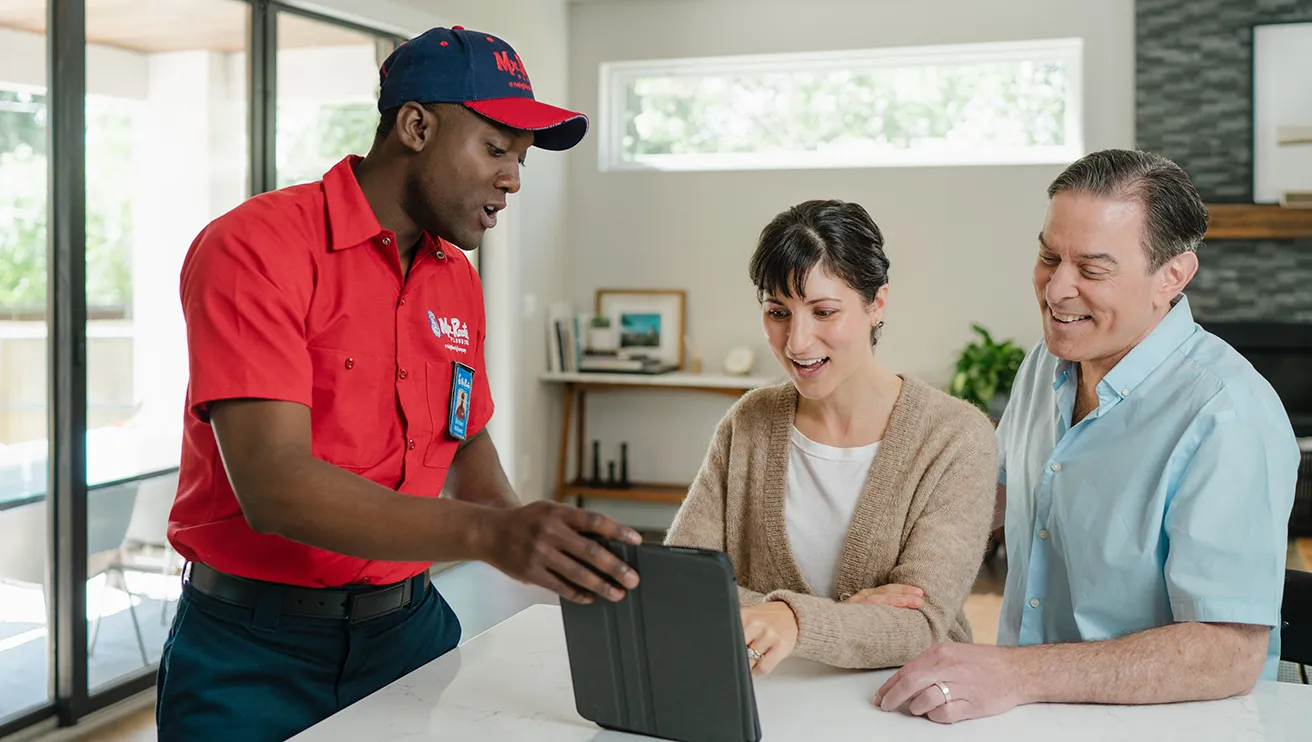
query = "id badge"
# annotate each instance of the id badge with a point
(462, 394)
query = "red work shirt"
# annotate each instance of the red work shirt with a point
(298, 295)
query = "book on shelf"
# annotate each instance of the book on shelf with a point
(564, 343)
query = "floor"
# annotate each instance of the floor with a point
(115, 652)
(483, 597)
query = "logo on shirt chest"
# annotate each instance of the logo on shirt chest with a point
(451, 330)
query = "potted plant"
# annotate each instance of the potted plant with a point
(986, 369)
(600, 337)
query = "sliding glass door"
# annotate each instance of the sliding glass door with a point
(158, 117)
(26, 672)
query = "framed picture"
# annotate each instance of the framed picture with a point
(646, 322)
(1282, 110)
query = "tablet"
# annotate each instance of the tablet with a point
(669, 659)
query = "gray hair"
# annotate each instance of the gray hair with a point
(1174, 215)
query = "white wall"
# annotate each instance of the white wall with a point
(961, 240)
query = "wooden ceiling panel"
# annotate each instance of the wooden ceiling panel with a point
(179, 25)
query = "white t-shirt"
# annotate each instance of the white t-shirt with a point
(824, 485)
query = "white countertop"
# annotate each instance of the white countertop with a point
(512, 683)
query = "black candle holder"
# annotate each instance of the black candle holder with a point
(596, 464)
(624, 467)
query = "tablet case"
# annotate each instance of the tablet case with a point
(669, 659)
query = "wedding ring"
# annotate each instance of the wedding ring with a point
(753, 655)
(947, 696)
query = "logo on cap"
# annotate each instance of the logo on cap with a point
(515, 66)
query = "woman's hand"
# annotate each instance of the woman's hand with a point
(771, 630)
(900, 596)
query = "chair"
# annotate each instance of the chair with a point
(24, 538)
(1296, 621)
(146, 546)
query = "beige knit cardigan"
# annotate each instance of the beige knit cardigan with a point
(922, 519)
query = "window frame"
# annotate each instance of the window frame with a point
(71, 697)
(615, 78)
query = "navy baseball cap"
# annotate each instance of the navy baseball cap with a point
(481, 72)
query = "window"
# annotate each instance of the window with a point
(976, 104)
(327, 95)
(25, 668)
(166, 153)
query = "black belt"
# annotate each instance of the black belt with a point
(360, 604)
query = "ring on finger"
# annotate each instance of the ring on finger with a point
(753, 655)
(947, 695)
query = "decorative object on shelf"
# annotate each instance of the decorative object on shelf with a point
(624, 467)
(694, 355)
(1296, 199)
(985, 372)
(610, 466)
(1282, 112)
(601, 334)
(596, 463)
(576, 387)
(739, 361)
(648, 322)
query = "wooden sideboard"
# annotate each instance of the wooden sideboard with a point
(575, 387)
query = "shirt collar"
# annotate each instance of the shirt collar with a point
(351, 221)
(1143, 359)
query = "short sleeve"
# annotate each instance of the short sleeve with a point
(1227, 522)
(245, 306)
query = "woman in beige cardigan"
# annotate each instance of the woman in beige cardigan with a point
(854, 503)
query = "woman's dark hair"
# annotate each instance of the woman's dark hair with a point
(835, 235)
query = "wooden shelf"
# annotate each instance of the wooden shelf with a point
(1257, 222)
(645, 492)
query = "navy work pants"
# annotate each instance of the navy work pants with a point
(235, 673)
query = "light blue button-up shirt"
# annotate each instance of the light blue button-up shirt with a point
(1170, 502)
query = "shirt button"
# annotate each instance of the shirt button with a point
(366, 580)
(403, 301)
(1043, 534)
(440, 255)
(350, 363)
(402, 374)
(410, 444)
(387, 240)
(1034, 602)
(1056, 466)
(1125, 392)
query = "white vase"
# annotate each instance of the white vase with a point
(601, 338)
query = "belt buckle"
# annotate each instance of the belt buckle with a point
(375, 604)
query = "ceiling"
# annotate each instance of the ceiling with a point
(178, 25)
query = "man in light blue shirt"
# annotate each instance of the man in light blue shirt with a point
(1147, 475)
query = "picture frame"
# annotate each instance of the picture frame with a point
(646, 322)
(1282, 110)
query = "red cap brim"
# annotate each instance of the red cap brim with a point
(553, 128)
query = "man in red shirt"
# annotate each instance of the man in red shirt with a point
(336, 336)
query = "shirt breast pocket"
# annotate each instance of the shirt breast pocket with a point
(441, 447)
(354, 419)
